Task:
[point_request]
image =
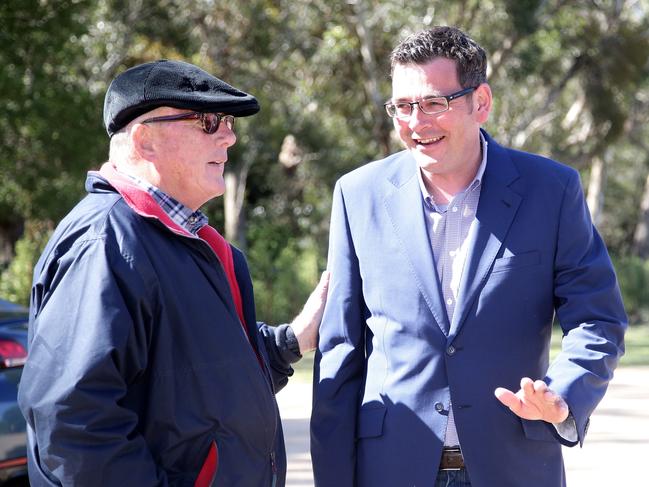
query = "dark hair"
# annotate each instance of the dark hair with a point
(446, 42)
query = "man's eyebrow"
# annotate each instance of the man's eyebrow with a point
(408, 100)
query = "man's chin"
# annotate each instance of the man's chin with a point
(426, 162)
(218, 192)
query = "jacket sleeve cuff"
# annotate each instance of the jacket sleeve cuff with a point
(287, 344)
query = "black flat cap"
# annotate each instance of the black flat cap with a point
(174, 84)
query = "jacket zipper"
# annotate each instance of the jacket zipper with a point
(265, 372)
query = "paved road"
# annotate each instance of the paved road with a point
(616, 451)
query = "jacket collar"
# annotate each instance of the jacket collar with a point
(140, 201)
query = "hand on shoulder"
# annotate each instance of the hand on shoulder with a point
(307, 323)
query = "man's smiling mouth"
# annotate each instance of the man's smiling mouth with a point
(431, 140)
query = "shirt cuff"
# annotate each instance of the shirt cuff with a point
(567, 429)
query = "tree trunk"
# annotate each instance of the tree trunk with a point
(233, 201)
(10, 232)
(596, 187)
(641, 236)
(381, 128)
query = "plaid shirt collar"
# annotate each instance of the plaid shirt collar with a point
(192, 221)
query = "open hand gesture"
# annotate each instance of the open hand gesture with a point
(534, 400)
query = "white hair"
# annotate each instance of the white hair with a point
(120, 150)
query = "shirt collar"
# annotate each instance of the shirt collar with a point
(182, 215)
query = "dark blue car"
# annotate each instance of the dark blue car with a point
(13, 352)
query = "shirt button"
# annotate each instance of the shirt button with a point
(449, 301)
(452, 253)
(454, 209)
(439, 407)
(451, 350)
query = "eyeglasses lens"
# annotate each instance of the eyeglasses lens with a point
(212, 121)
(433, 105)
(228, 120)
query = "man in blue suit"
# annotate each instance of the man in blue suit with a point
(449, 261)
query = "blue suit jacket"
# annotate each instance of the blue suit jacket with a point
(389, 362)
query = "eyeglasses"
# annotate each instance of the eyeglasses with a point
(210, 122)
(429, 106)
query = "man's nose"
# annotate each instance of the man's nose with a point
(226, 136)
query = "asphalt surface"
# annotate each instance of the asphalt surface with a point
(616, 450)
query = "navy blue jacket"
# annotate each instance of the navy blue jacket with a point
(138, 363)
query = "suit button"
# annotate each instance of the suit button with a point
(439, 407)
(451, 350)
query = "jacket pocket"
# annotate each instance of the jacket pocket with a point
(208, 470)
(515, 261)
(537, 430)
(370, 421)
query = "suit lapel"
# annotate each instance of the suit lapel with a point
(496, 211)
(405, 208)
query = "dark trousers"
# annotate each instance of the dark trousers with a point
(453, 478)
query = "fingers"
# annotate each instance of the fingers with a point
(557, 409)
(319, 294)
(318, 297)
(527, 386)
(534, 400)
(307, 323)
(508, 398)
(540, 387)
(323, 284)
(324, 277)
(550, 396)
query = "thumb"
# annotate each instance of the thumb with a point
(508, 398)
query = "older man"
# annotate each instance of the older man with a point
(146, 363)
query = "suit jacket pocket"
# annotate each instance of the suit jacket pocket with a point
(538, 430)
(370, 421)
(515, 261)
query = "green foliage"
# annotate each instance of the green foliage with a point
(523, 15)
(284, 271)
(51, 125)
(570, 81)
(16, 280)
(633, 278)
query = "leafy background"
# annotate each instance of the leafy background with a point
(570, 80)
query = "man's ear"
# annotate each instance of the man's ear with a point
(143, 143)
(482, 100)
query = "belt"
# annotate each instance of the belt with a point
(452, 459)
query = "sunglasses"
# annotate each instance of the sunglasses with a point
(210, 122)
